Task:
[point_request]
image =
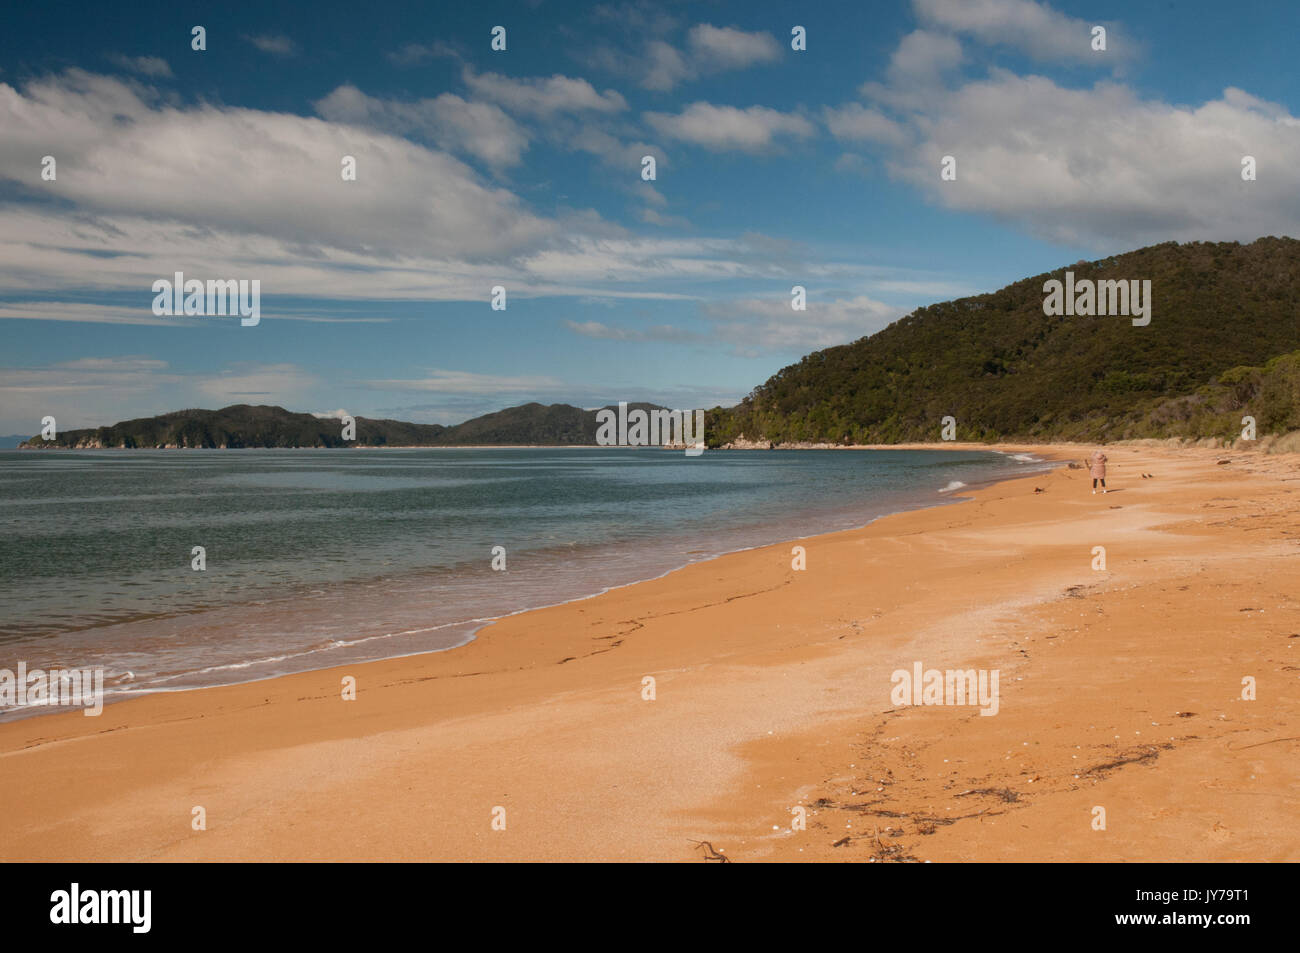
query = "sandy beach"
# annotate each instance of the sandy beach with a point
(1119, 688)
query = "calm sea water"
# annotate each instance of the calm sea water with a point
(324, 557)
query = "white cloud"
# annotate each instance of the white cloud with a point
(85, 374)
(656, 64)
(258, 186)
(728, 127)
(41, 252)
(918, 71)
(78, 393)
(854, 122)
(276, 45)
(1034, 28)
(617, 153)
(769, 324)
(467, 382)
(543, 97)
(1102, 167)
(80, 311)
(658, 332)
(655, 217)
(851, 163)
(923, 57)
(130, 365)
(254, 383)
(729, 48)
(88, 312)
(147, 188)
(145, 65)
(482, 130)
(666, 67)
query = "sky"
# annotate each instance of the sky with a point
(523, 168)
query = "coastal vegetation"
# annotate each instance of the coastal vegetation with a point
(1223, 317)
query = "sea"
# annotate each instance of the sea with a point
(317, 558)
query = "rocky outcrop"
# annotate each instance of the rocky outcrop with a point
(742, 443)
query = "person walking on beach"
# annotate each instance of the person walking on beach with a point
(1097, 466)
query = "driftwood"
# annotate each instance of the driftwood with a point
(711, 855)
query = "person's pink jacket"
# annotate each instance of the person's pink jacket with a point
(1098, 468)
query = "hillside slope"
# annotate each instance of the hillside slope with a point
(245, 425)
(1004, 369)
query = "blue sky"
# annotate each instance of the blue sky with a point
(522, 168)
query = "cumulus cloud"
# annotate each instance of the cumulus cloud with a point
(659, 65)
(1102, 166)
(729, 48)
(148, 187)
(543, 96)
(1036, 29)
(617, 153)
(147, 178)
(665, 66)
(727, 127)
(918, 71)
(854, 122)
(482, 130)
(923, 57)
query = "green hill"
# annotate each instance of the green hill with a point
(1005, 370)
(1270, 394)
(245, 425)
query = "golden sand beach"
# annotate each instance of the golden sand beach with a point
(1120, 689)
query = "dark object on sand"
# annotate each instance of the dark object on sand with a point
(711, 855)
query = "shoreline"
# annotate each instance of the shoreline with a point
(1265, 443)
(768, 682)
(943, 497)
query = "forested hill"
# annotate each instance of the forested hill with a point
(244, 425)
(1003, 369)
